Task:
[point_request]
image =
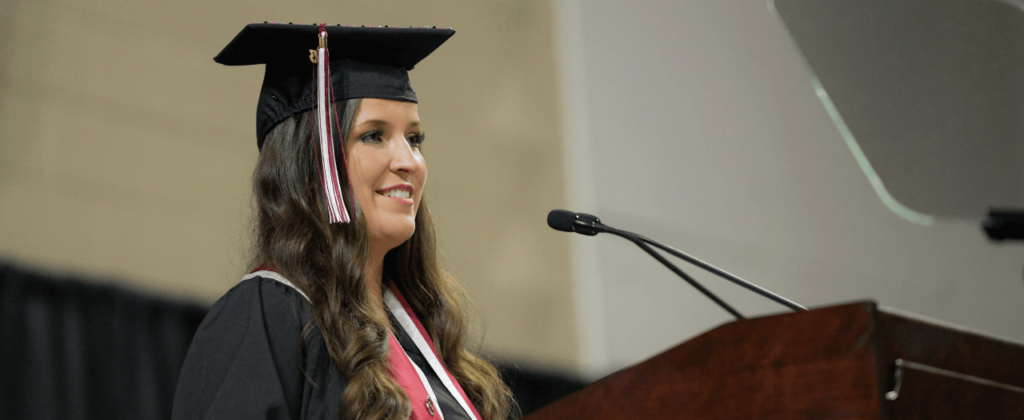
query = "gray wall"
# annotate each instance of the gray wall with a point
(695, 122)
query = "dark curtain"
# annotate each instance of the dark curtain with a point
(79, 350)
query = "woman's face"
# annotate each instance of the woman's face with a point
(386, 169)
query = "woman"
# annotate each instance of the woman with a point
(347, 313)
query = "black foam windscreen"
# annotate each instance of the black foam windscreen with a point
(562, 220)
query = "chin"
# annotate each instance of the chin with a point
(395, 234)
(402, 236)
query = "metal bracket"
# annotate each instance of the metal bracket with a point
(897, 381)
(900, 365)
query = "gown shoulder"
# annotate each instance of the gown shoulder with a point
(246, 359)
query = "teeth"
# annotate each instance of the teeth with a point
(397, 193)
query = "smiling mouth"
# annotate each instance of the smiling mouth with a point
(398, 192)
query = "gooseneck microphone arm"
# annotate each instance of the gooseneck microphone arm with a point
(587, 224)
(725, 275)
(639, 241)
(590, 225)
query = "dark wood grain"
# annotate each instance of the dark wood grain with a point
(955, 349)
(809, 365)
(949, 347)
(828, 363)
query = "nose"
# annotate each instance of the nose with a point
(403, 158)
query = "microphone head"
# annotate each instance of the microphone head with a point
(568, 221)
(562, 220)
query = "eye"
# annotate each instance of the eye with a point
(416, 139)
(375, 136)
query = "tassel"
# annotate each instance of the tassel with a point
(324, 105)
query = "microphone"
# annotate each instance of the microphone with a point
(581, 223)
(590, 225)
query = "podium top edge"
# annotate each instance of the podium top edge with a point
(946, 324)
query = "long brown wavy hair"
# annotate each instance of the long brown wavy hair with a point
(328, 261)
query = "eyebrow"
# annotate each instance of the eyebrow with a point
(412, 124)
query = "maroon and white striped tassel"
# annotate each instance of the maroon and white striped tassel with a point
(329, 169)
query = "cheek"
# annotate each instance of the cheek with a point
(421, 181)
(421, 173)
(359, 182)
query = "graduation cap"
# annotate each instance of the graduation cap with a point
(362, 62)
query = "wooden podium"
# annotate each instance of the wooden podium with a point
(851, 361)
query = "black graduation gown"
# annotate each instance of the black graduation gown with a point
(245, 362)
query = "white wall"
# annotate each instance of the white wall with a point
(694, 122)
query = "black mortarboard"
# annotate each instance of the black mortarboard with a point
(366, 62)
